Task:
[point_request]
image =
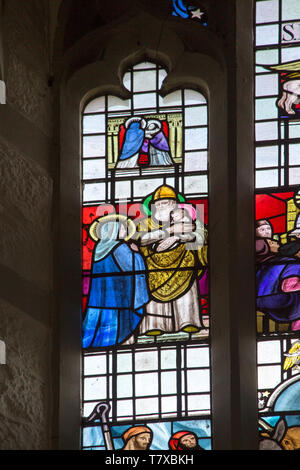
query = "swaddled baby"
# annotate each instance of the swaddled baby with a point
(177, 216)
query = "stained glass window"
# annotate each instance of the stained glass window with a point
(277, 123)
(145, 302)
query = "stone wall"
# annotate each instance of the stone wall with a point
(24, 386)
(27, 60)
(26, 245)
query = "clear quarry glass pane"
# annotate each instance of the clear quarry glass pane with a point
(144, 81)
(266, 156)
(266, 178)
(94, 124)
(196, 138)
(195, 161)
(96, 105)
(196, 116)
(290, 10)
(267, 11)
(94, 146)
(93, 169)
(266, 84)
(267, 35)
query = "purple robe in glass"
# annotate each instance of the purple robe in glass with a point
(281, 306)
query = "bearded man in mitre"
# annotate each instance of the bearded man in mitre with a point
(173, 269)
(137, 438)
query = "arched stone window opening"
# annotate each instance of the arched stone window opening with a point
(194, 60)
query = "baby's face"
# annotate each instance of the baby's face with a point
(179, 215)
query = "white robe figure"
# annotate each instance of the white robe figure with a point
(172, 272)
(158, 147)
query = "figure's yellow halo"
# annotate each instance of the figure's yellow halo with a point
(94, 227)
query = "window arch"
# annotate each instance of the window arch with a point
(204, 67)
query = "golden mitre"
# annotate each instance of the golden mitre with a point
(164, 192)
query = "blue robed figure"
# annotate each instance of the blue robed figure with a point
(134, 138)
(277, 282)
(118, 290)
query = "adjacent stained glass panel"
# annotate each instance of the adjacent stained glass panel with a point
(145, 296)
(277, 157)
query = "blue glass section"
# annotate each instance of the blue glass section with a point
(289, 399)
(291, 420)
(205, 444)
(271, 420)
(161, 435)
(92, 436)
(180, 9)
(201, 428)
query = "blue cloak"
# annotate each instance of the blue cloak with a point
(117, 296)
(281, 306)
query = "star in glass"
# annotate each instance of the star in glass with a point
(197, 13)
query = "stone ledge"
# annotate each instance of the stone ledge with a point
(2, 92)
(2, 352)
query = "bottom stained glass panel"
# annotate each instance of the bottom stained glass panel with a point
(169, 435)
(158, 392)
